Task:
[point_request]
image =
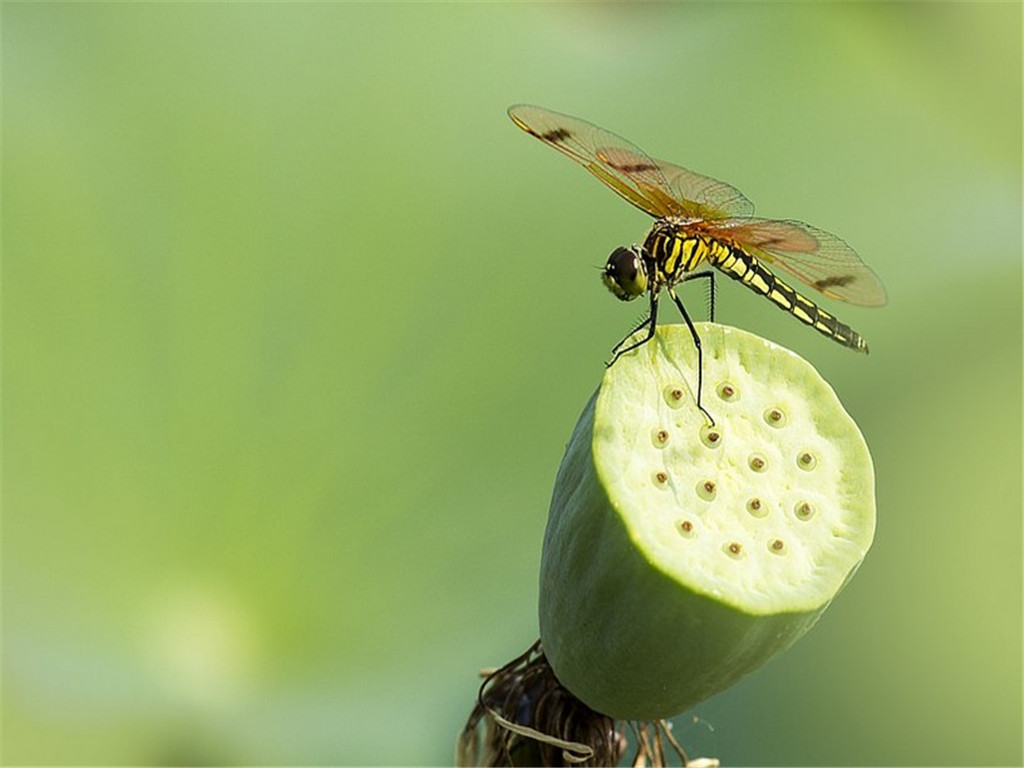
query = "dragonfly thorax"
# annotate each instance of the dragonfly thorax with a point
(625, 273)
(677, 247)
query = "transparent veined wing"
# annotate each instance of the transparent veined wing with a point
(705, 197)
(811, 255)
(655, 186)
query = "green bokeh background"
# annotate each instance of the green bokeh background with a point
(296, 324)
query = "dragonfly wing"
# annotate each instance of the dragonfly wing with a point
(618, 163)
(811, 255)
(705, 197)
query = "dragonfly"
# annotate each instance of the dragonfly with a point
(702, 223)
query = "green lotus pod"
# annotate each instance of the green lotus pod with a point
(679, 556)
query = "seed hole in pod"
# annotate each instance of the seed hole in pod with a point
(734, 550)
(707, 489)
(757, 462)
(711, 436)
(674, 396)
(775, 417)
(806, 460)
(803, 510)
(757, 508)
(728, 392)
(777, 547)
(660, 478)
(686, 529)
(659, 437)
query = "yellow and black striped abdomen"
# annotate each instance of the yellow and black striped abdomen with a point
(675, 252)
(741, 266)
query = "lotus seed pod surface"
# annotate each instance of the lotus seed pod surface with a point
(679, 554)
(768, 509)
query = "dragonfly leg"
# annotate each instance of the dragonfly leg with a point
(700, 352)
(710, 277)
(618, 350)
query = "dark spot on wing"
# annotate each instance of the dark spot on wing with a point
(632, 167)
(557, 135)
(839, 280)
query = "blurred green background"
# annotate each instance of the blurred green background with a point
(296, 324)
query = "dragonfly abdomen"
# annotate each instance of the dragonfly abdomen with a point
(741, 266)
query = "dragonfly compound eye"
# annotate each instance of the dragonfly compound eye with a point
(624, 274)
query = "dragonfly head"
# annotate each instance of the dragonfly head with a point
(625, 274)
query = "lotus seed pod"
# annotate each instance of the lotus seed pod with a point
(680, 556)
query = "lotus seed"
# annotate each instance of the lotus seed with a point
(660, 438)
(775, 417)
(734, 550)
(756, 507)
(707, 490)
(727, 392)
(804, 511)
(710, 436)
(660, 478)
(806, 460)
(674, 396)
(757, 462)
(776, 546)
(685, 527)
